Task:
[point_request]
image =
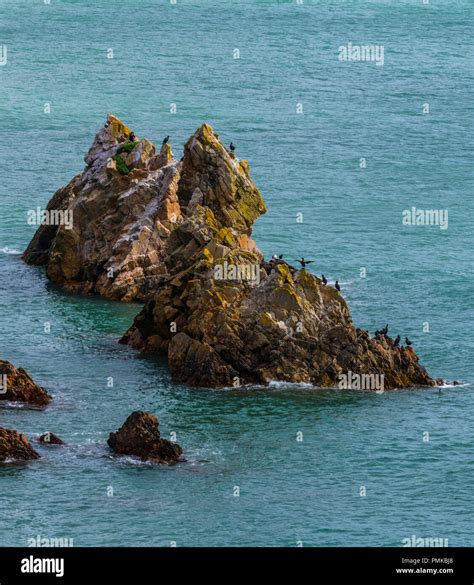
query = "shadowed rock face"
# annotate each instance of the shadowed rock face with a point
(15, 447)
(177, 235)
(17, 386)
(139, 436)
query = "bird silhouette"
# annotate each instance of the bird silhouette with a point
(396, 341)
(384, 331)
(337, 287)
(232, 147)
(165, 140)
(408, 342)
(303, 262)
(131, 137)
(324, 279)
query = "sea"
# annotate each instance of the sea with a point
(343, 150)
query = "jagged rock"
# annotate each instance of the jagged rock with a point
(15, 447)
(17, 386)
(50, 439)
(222, 327)
(178, 236)
(123, 207)
(139, 436)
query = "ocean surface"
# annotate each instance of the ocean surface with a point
(291, 492)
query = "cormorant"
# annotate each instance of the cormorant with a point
(384, 331)
(337, 287)
(324, 279)
(303, 262)
(131, 137)
(408, 342)
(165, 140)
(396, 341)
(232, 147)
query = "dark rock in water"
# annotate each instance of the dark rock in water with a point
(15, 447)
(17, 386)
(139, 436)
(50, 439)
(456, 383)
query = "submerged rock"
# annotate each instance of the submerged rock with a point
(15, 447)
(139, 436)
(50, 439)
(17, 386)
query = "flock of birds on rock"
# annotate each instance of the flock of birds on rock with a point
(304, 262)
(380, 333)
(396, 342)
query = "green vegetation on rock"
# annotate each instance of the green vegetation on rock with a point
(122, 168)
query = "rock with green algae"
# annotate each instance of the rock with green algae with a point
(177, 235)
(262, 321)
(123, 206)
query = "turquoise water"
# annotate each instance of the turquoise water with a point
(289, 491)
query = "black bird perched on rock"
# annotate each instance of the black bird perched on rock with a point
(408, 342)
(396, 341)
(131, 137)
(232, 147)
(303, 262)
(384, 331)
(336, 286)
(165, 140)
(324, 279)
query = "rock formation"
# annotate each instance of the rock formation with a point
(50, 439)
(225, 317)
(139, 436)
(121, 209)
(17, 386)
(15, 447)
(177, 235)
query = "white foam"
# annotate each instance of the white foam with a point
(8, 250)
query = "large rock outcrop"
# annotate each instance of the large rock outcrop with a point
(177, 234)
(116, 215)
(139, 436)
(15, 447)
(17, 386)
(226, 317)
